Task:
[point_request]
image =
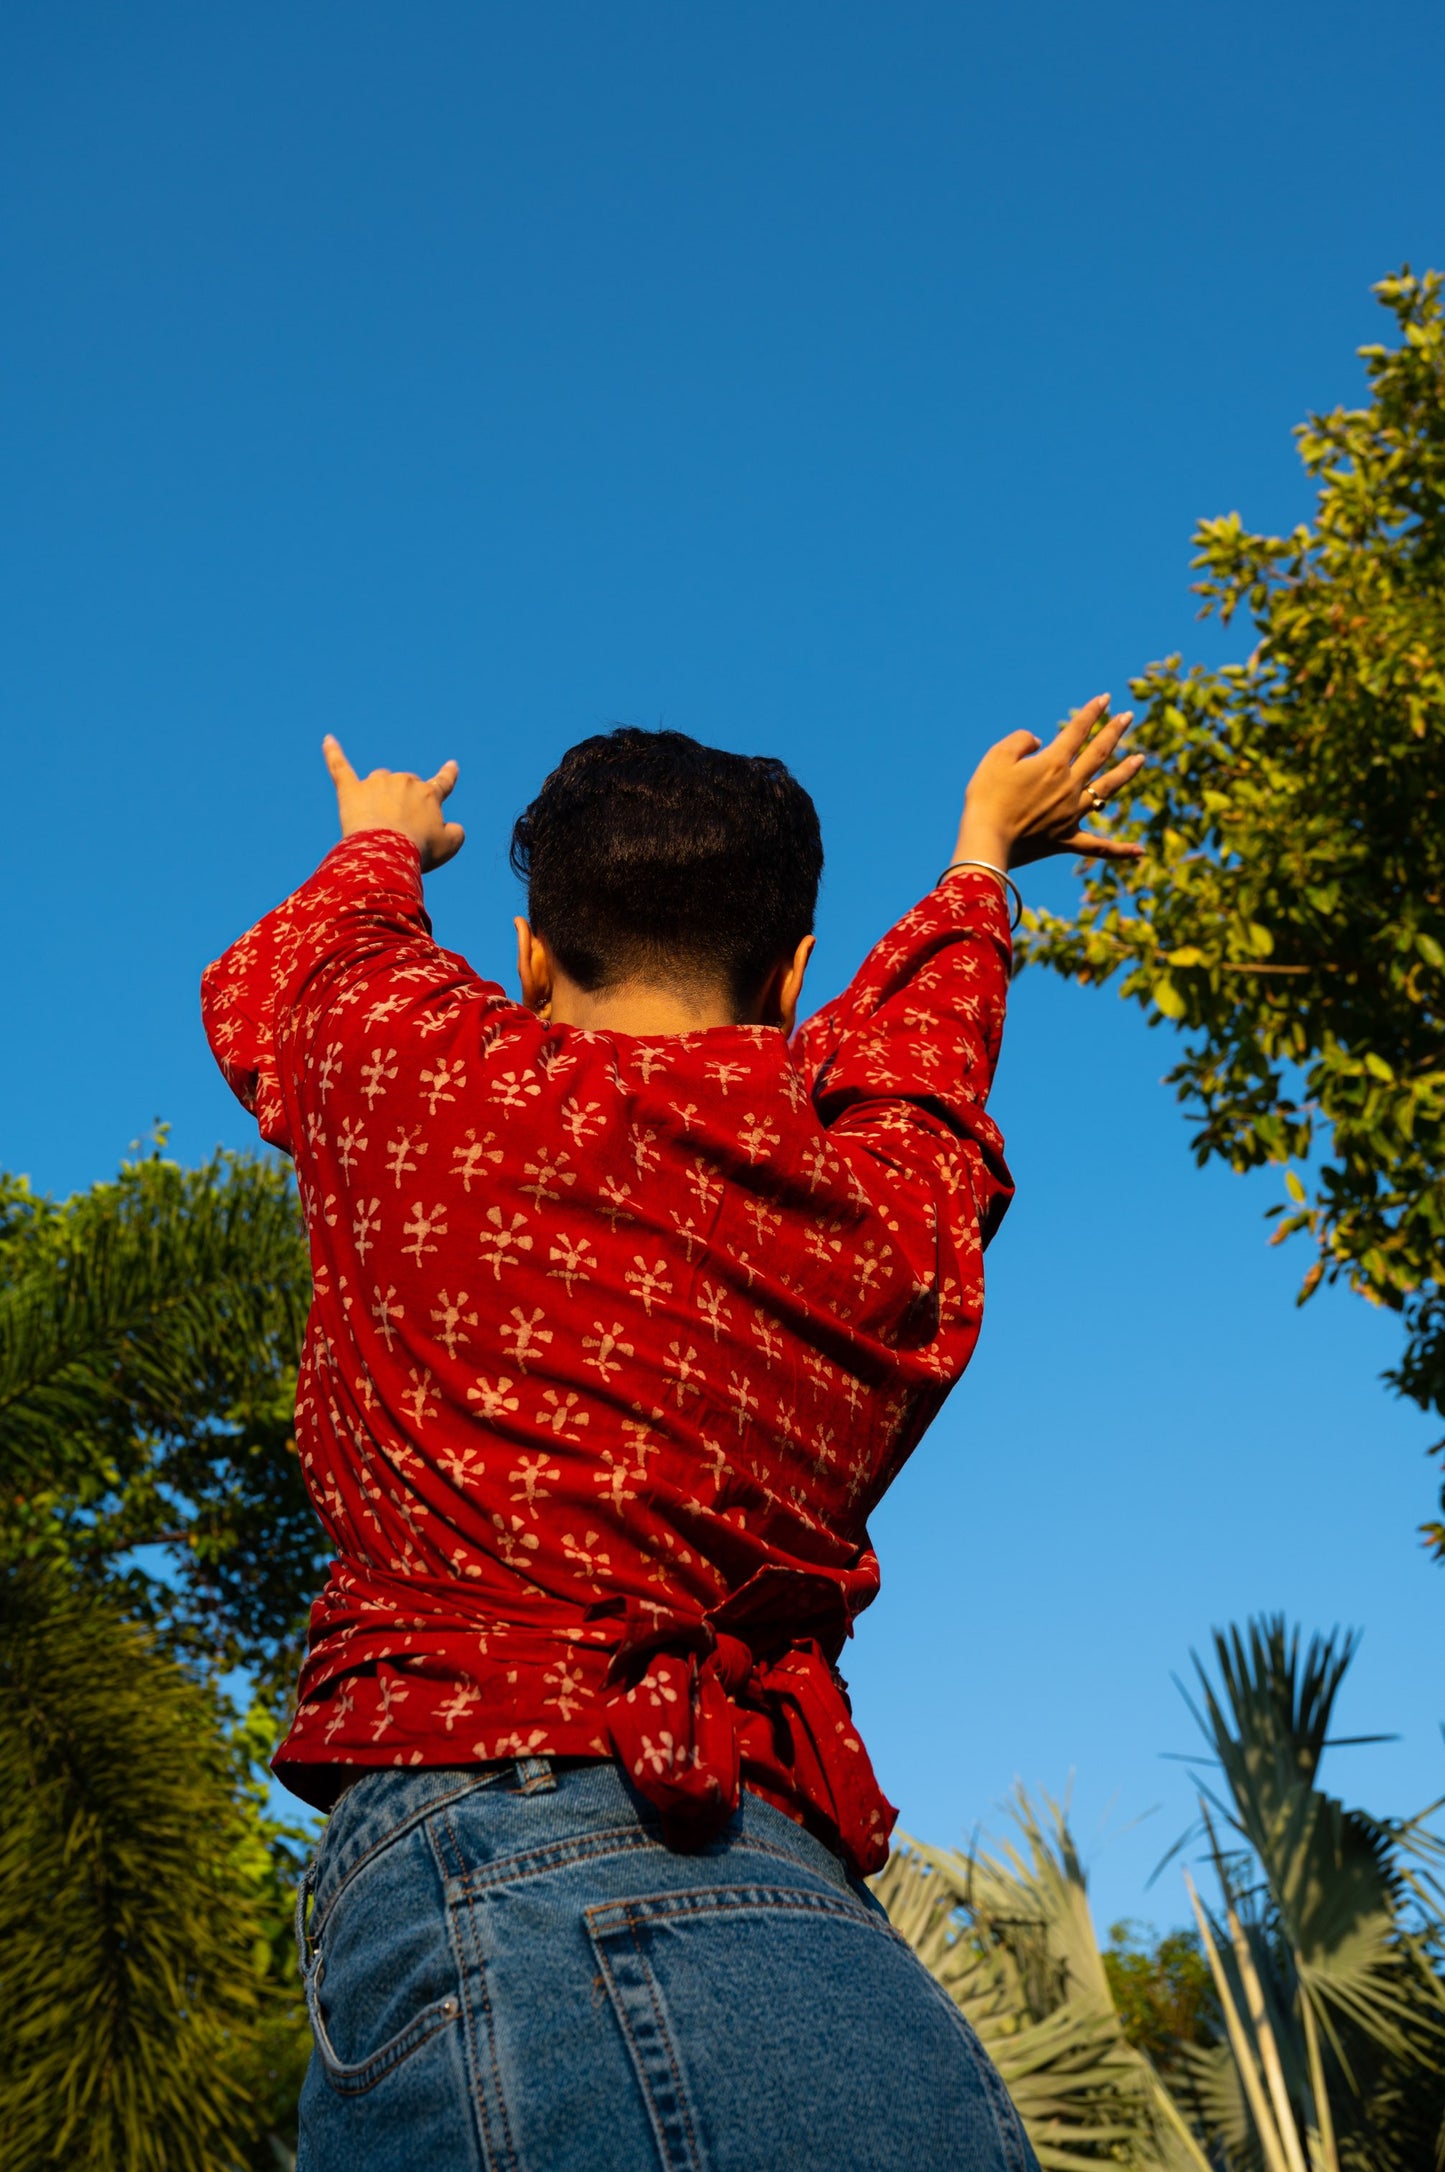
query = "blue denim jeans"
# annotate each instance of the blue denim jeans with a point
(507, 1971)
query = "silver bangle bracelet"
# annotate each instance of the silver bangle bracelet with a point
(1004, 877)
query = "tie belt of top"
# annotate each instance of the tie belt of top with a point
(681, 1691)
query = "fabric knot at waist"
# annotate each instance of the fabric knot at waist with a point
(691, 1697)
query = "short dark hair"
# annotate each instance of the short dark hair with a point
(648, 856)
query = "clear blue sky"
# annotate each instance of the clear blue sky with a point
(836, 381)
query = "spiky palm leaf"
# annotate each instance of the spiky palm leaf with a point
(1319, 1947)
(1009, 1935)
(133, 1961)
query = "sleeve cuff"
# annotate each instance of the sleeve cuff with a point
(974, 887)
(388, 846)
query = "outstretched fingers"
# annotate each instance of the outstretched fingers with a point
(1120, 774)
(1100, 749)
(1081, 723)
(444, 780)
(1090, 847)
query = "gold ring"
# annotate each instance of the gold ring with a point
(1099, 806)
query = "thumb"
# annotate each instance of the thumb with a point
(1019, 745)
(447, 846)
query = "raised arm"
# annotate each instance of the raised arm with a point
(359, 914)
(901, 1064)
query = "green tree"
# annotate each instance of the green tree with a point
(269, 2063)
(135, 1963)
(149, 1330)
(1289, 911)
(154, 1536)
(1163, 1992)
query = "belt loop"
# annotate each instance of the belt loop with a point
(535, 1776)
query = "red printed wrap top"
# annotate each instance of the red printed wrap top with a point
(614, 1341)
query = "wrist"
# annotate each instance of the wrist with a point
(994, 874)
(358, 823)
(371, 828)
(982, 839)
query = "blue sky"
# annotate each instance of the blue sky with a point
(835, 381)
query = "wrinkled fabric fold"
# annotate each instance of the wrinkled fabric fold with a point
(686, 1692)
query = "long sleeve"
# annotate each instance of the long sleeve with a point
(900, 1065)
(273, 1004)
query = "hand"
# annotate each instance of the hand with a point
(396, 799)
(1026, 800)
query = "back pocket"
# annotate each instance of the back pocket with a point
(774, 2025)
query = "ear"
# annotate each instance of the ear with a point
(780, 998)
(534, 967)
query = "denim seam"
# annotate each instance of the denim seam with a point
(321, 1910)
(607, 1920)
(660, 2016)
(620, 1840)
(666, 2152)
(624, 2019)
(556, 1855)
(712, 1900)
(479, 2034)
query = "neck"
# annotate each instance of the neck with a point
(640, 1007)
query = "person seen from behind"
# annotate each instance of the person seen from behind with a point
(629, 1302)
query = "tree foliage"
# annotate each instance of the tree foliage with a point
(1008, 1933)
(269, 2063)
(1289, 911)
(1326, 1943)
(149, 1330)
(154, 1537)
(1301, 2030)
(1163, 1992)
(135, 1964)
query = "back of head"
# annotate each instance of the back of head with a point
(649, 857)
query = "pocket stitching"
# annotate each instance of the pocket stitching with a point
(475, 2040)
(320, 1914)
(563, 1854)
(722, 1899)
(639, 2063)
(666, 2033)
(632, 1916)
(558, 1855)
(355, 2080)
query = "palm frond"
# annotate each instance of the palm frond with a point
(1327, 1953)
(1008, 1933)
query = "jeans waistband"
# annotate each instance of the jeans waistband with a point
(380, 1805)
